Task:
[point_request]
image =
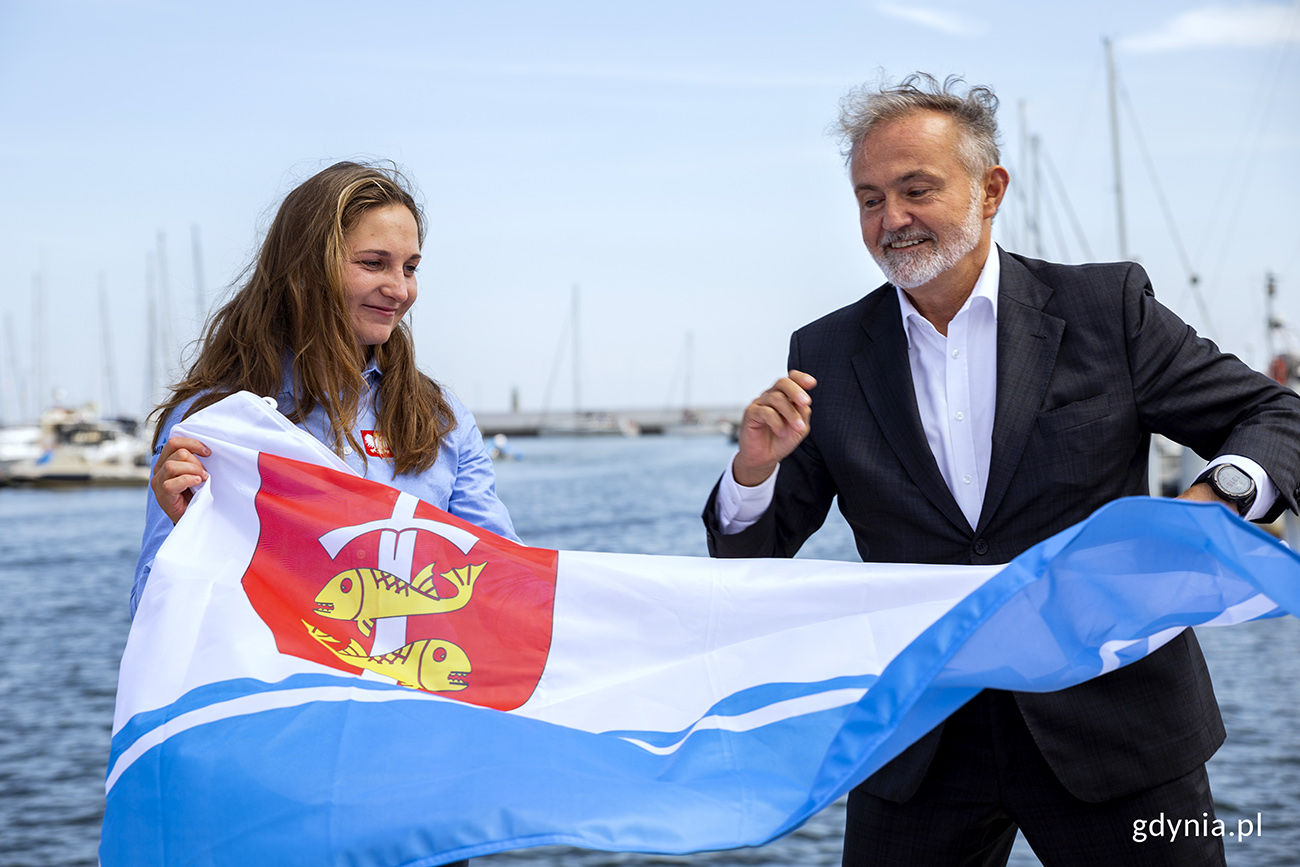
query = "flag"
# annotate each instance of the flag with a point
(324, 670)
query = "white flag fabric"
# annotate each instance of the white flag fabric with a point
(325, 670)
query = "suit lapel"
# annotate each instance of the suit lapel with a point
(885, 377)
(1028, 340)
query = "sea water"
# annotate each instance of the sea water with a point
(66, 564)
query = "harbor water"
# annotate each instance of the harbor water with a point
(66, 564)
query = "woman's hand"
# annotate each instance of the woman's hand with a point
(177, 470)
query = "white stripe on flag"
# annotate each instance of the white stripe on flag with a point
(773, 713)
(1254, 607)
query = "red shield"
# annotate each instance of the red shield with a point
(317, 524)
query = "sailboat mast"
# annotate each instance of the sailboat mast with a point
(1019, 185)
(151, 336)
(19, 381)
(167, 337)
(1038, 197)
(200, 308)
(577, 356)
(38, 335)
(111, 406)
(1275, 325)
(690, 363)
(1114, 147)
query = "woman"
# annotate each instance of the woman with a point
(318, 325)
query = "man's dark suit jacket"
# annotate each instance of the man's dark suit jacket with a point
(1089, 365)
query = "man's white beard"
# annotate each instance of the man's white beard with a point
(916, 266)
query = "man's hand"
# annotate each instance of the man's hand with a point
(178, 469)
(773, 425)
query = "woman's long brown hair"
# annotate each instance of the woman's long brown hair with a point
(293, 307)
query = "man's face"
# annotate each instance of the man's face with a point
(922, 212)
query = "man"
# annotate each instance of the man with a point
(975, 405)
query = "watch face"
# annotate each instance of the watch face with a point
(1233, 481)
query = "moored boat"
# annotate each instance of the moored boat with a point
(76, 447)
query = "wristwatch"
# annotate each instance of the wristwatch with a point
(1232, 484)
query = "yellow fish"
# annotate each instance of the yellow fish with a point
(364, 595)
(430, 664)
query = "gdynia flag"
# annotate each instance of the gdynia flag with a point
(324, 670)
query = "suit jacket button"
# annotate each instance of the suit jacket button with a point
(980, 547)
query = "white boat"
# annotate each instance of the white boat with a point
(589, 424)
(76, 447)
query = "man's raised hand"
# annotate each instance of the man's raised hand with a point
(773, 425)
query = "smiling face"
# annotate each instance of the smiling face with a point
(925, 219)
(915, 254)
(381, 253)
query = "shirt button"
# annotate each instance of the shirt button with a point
(960, 416)
(956, 353)
(347, 450)
(966, 479)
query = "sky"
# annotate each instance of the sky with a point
(671, 161)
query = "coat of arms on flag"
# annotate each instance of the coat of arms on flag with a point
(361, 577)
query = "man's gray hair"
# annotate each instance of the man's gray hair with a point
(865, 108)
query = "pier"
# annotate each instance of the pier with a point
(628, 422)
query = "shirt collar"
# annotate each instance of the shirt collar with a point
(370, 373)
(984, 293)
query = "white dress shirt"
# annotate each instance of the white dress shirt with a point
(955, 379)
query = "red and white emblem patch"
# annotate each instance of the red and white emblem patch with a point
(375, 444)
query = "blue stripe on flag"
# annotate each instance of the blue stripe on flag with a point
(330, 777)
